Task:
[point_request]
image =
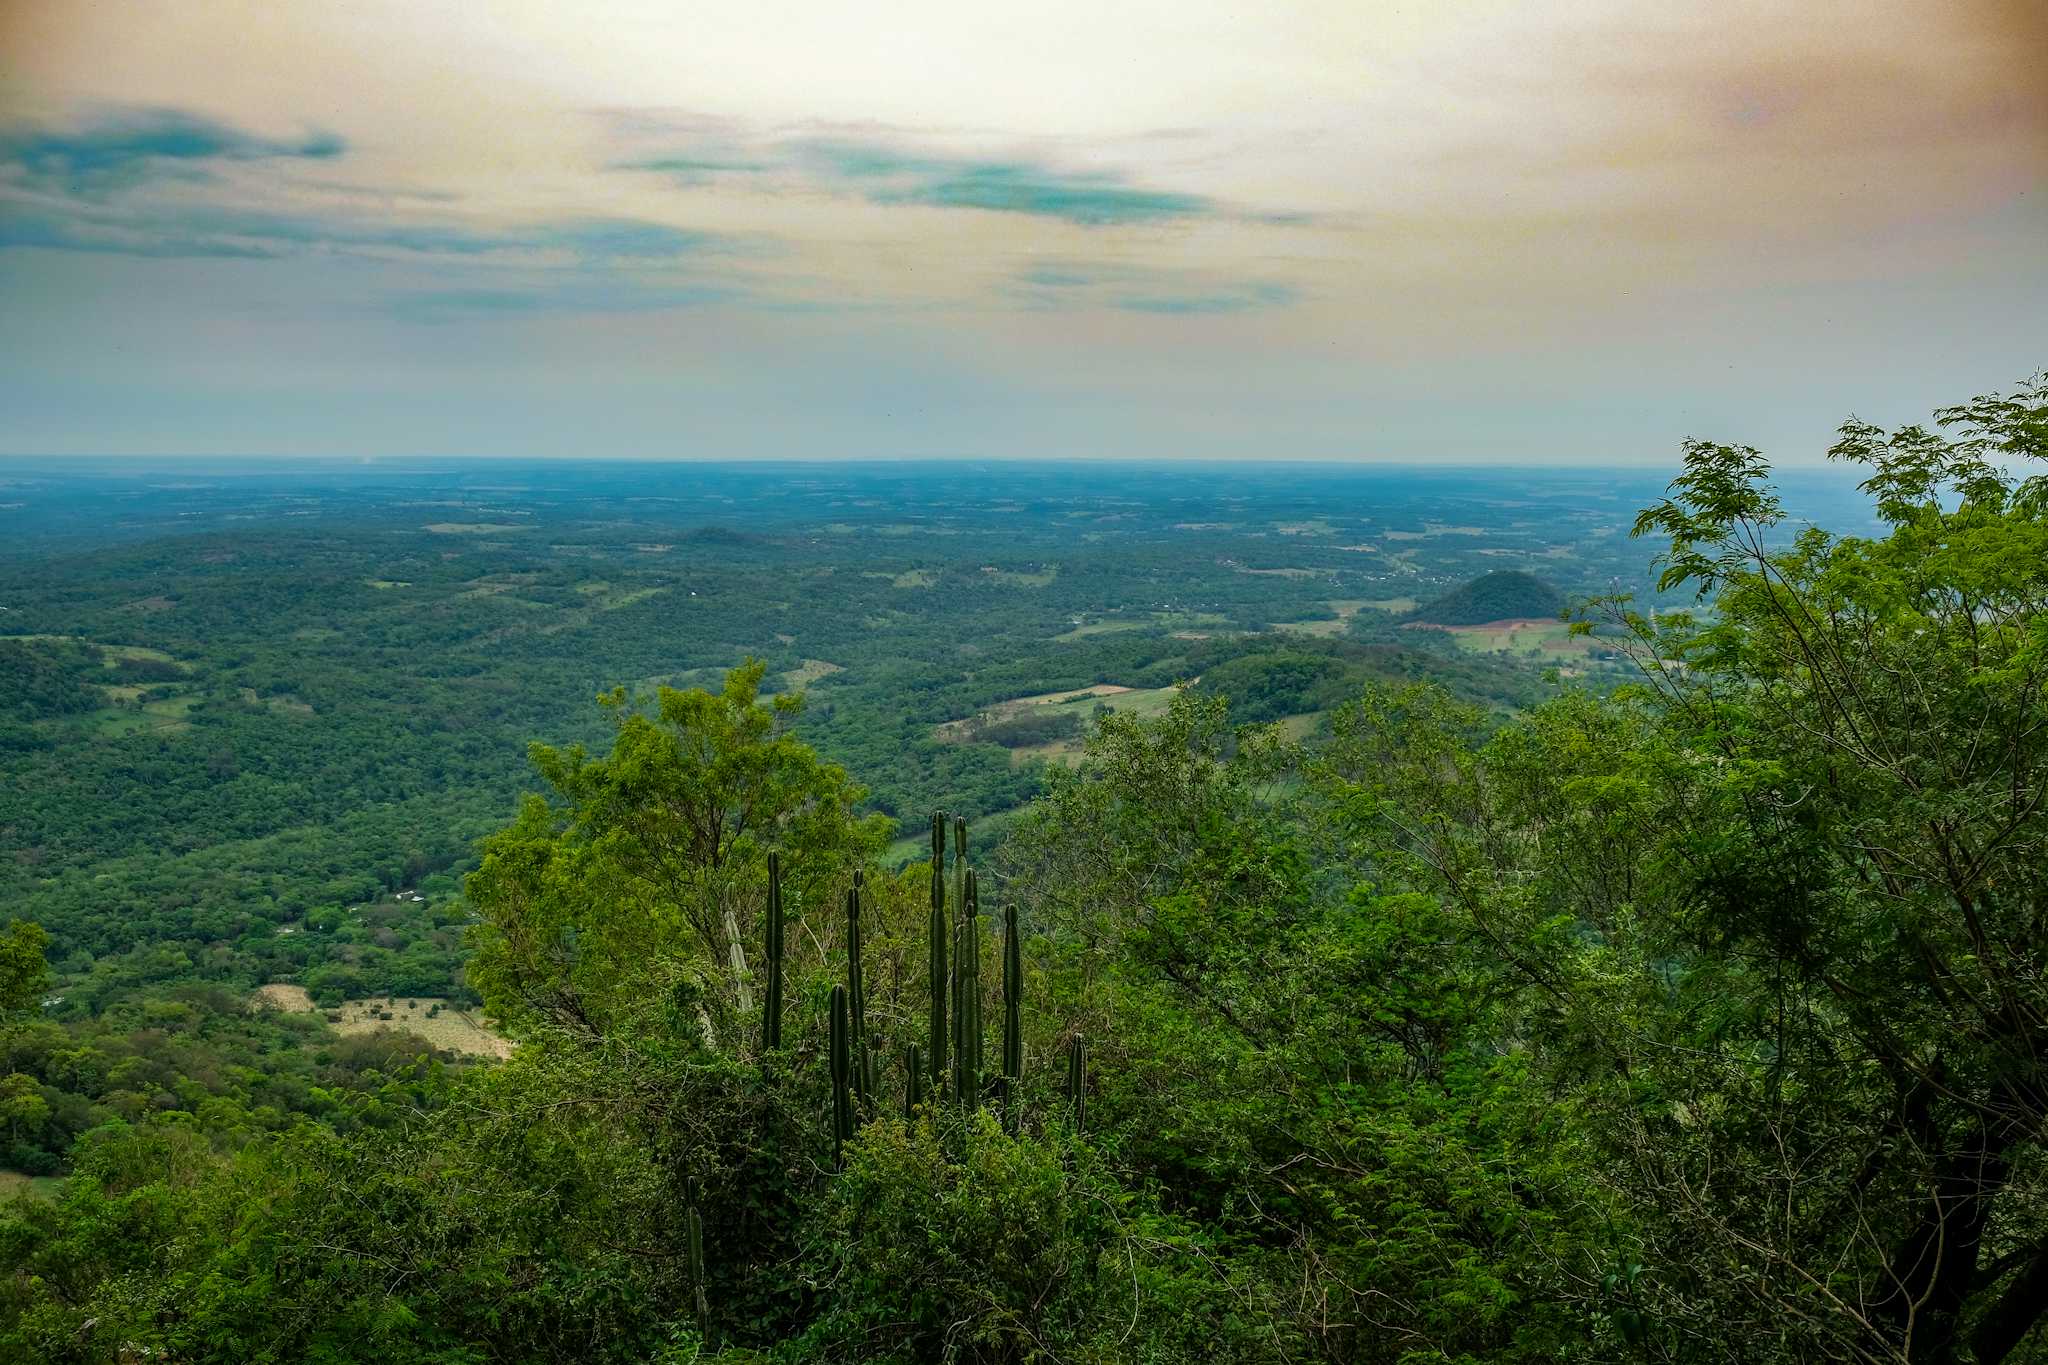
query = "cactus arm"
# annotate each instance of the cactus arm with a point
(938, 1019)
(697, 1277)
(842, 1102)
(771, 1019)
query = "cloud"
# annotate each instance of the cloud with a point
(625, 238)
(119, 148)
(695, 170)
(1229, 299)
(889, 173)
(1142, 289)
(886, 175)
(58, 232)
(573, 296)
(186, 230)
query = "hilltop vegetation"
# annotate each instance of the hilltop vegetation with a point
(1504, 595)
(1699, 1021)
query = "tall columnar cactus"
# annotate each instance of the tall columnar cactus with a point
(697, 1276)
(1077, 1079)
(1013, 1015)
(771, 1018)
(936, 931)
(967, 1003)
(842, 1075)
(856, 998)
(965, 966)
(913, 1082)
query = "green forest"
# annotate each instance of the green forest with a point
(1127, 953)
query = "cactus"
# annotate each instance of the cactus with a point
(913, 1082)
(938, 1018)
(967, 1071)
(697, 1277)
(856, 999)
(771, 1018)
(1077, 1079)
(1013, 1015)
(842, 1075)
(964, 963)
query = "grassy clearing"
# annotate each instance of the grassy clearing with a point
(450, 1028)
(810, 670)
(627, 599)
(156, 717)
(958, 731)
(36, 1186)
(386, 584)
(1346, 608)
(1138, 701)
(1530, 639)
(1011, 578)
(471, 528)
(915, 578)
(1286, 573)
(1298, 728)
(1190, 620)
(110, 655)
(1082, 632)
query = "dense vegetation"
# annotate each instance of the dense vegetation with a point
(1504, 595)
(1697, 1020)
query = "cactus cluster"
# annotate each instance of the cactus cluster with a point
(952, 1064)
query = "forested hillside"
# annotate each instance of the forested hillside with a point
(1505, 595)
(1328, 994)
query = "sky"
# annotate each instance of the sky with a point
(1442, 231)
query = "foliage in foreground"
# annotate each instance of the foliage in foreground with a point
(1703, 1023)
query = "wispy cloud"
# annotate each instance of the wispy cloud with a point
(117, 148)
(612, 296)
(1138, 289)
(887, 175)
(170, 230)
(901, 169)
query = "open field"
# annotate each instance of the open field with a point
(1018, 578)
(111, 655)
(1345, 607)
(810, 670)
(1300, 727)
(1533, 638)
(452, 1029)
(1140, 701)
(955, 731)
(155, 717)
(1082, 632)
(40, 1186)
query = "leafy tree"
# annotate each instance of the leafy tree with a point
(643, 889)
(1776, 919)
(23, 973)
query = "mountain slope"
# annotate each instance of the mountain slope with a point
(1501, 596)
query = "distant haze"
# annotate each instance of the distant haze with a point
(1447, 232)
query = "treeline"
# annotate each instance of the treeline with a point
(1698, 1023)
(1702, 1022)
